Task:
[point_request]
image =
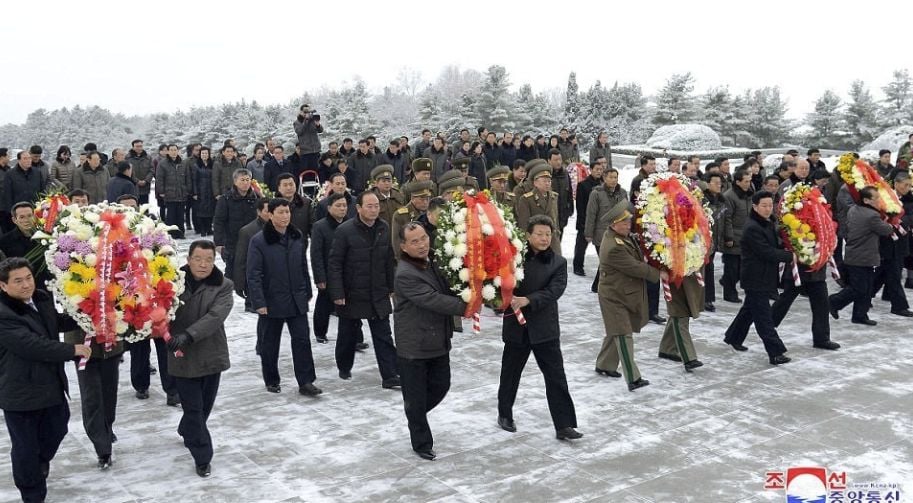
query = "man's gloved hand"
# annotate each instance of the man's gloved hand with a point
(179, 341)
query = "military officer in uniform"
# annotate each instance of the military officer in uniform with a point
(540, 200)
(391, 199)
(421, 172)
(497, 180)
(450, 183)
(420, 195)
(461, 166)
(527, 184)
(687, 302)
(622, 296)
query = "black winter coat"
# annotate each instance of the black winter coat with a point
(360, 165)
(561, 183)
(233, 211)
(361, 268)
(321, 209)
(272, 171)
(202, 316)
(543, 284)
(398, 161)
(584, 189)
(205, 203)
(508, 155)
(120, 185)
(321, 244)
(492, 155)
(424, 311)
(302, 215)
(762, 253)
(22, 185)
(277, 272)
(527, 154)
(31, 355)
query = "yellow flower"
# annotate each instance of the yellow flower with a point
(805, 229)
(811, 236)
(83, 271)
(658, 248)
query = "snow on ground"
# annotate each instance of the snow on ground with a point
(706, 436)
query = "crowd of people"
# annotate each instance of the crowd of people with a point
(363, 239)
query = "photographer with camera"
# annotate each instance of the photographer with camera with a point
(307, 127)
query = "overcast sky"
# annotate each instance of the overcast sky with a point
(141, 57)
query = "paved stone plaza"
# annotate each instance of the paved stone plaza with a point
(709, 436)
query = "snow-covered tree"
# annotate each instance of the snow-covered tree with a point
(827, 121)
(495, 106)
(768, 125)
(719, 112)
(898, 99)
(675, 102)
(861, 115)
(571, 103)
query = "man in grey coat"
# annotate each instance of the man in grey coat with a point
(93, 178)
(423, 318)
(307, 127)
(198, 331)
(864, 226)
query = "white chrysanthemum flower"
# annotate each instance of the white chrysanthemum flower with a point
(466, 295)
(83, 233)
(517, 244)
(166, 250)
(460, 250)
(455, 264)
(488, 229)
(488, 292)
(448, 248)
(90, 260)
(450, 235)
(91, 217)
(148, 255)
(519, 274)
(497, 281)
(121, 326)
(464, 275)
(460, 228)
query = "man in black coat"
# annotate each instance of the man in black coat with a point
(321, 244)
(423, 318)
(302, 207)
(583, 198)
(760, 273)
(122, 183)
(22, 182)
(561, 184)
(234, 209)
(198, 330)
(893, 253)
(280, 289)
(33, 384)
(537, 296)
(360, 281)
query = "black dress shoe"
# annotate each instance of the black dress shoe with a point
(640, 383)
(345, 374)
(906, 313)
(659, 320)
(173, 400)
(152, 371)
(693, 364)
(568, 433)
(827, 345)
(204, 470)
(322, 340)
(309, 390)
(780, 360)
(867, 322)
(391, 383)
(579, 272)
(507, 424)
(709, 307)
(670, 356)
(104, 462)
(142, 394)
(113, 438)
(737, 347)
(608, 373)
(273, 388)
(429, 454)
(361, 346)
(734, 300)
(835, 313)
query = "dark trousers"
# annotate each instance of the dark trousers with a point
(838, 258)
(190, 214)
(595, 286)
(228, 256)
(139, 366)
(548, 357)
(203, 226)
(425, 383)
(384, 350)
(311, 161)
(197, 396)
(163, 208)
(35, 436)
(98, 389)
(6, 222)
(323, 308)
(653, 298)
(889, 275)
(709, 282)
(817, 298)
(731, 266)
(580, 247)
(302, 359)
(756, 309)
(174, 215)
(143, 199)
(858, 290)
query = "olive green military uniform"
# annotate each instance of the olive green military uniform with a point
(622, 297)
(687, 302)
(505, 198)
(461, 165)
(408, 213)
(420, 164)
(391, 202)
(451, 181)
(534, 203)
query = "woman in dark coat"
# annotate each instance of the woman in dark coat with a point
(204, 201)
(478, 163)
(527, 150)
(537, 296)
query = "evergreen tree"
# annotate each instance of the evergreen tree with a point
(768, 125)
(720, 113)
(495, 106)
(571, 103)
(898, 99)
(827, 121)
(595, 114)
(675, 103)
(861, 115)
